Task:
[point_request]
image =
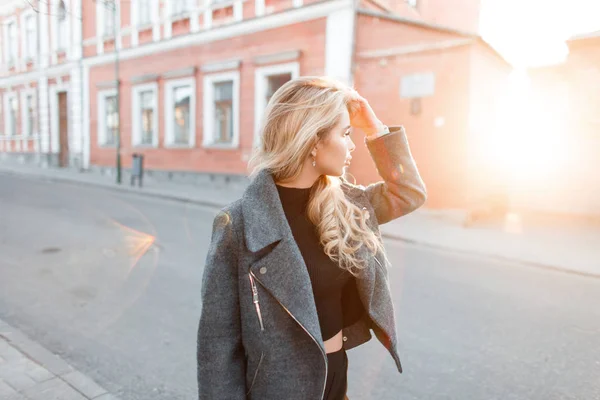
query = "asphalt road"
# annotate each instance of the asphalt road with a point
(111, 281)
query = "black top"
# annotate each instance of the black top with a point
(329, 281)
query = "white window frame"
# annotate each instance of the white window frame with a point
(101, 15)
(62, 46)
(169, 105)
(136, 134)
(137, 4)
(261, 76)
(108, 12)
(24, 39)
(209, 109)
(8, 96)
(25, 112)
(136, 25)
(101, 133)
(8, 45)
(183, 14)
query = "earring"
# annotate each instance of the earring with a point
(314, 163)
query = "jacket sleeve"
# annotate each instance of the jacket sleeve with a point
(402, 190)
(221, 356)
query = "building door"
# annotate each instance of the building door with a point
(63, 130)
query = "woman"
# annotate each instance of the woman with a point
(296, 272)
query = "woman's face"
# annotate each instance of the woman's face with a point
(333, 152)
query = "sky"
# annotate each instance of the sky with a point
(532, 32)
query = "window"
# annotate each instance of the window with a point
(109, 19)
(13, 111)
(179, 115)
(12, 42)
(180, 7)
(274, 82)
(108, 118)
(144, 12)
(223, 117)
(412, 3)
(145, 115)
(221, 110)
(112, 120)
(267, 81)
(30, 37)
(61, 34)
(30, 120)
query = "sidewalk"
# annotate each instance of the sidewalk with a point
(563, 245)
(30, 372)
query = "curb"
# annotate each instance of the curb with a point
(495, 257)
(115, 188)
(53, 363)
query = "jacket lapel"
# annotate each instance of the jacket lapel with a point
(281, 269)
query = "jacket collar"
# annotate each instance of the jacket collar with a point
(264, 219)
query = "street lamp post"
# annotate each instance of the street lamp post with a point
(118, 96)
(113, 5)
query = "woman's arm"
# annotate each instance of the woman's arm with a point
(402, 189)
(221, 356)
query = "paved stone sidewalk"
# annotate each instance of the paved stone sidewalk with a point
(30, 372)
(570, 247)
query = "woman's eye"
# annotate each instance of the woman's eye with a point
(347, 133)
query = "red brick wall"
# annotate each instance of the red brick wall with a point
(308, 37)
(457, 14)
(439, 151)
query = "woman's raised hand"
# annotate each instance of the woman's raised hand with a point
(363, 117)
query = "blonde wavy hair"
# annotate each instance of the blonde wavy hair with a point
(298, 115)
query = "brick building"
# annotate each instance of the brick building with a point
(568, 96)
(194, 77)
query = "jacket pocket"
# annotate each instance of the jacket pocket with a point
(255, 373)
(255, 300)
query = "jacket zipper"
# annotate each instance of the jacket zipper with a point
(255, 301)
(309, 334)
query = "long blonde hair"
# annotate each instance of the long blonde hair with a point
(298, 114)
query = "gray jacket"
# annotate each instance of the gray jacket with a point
(259, 335)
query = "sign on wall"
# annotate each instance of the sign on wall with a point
(417, 85)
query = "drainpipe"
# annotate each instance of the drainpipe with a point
(81, 85)
(38, 153)
(355, 4)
